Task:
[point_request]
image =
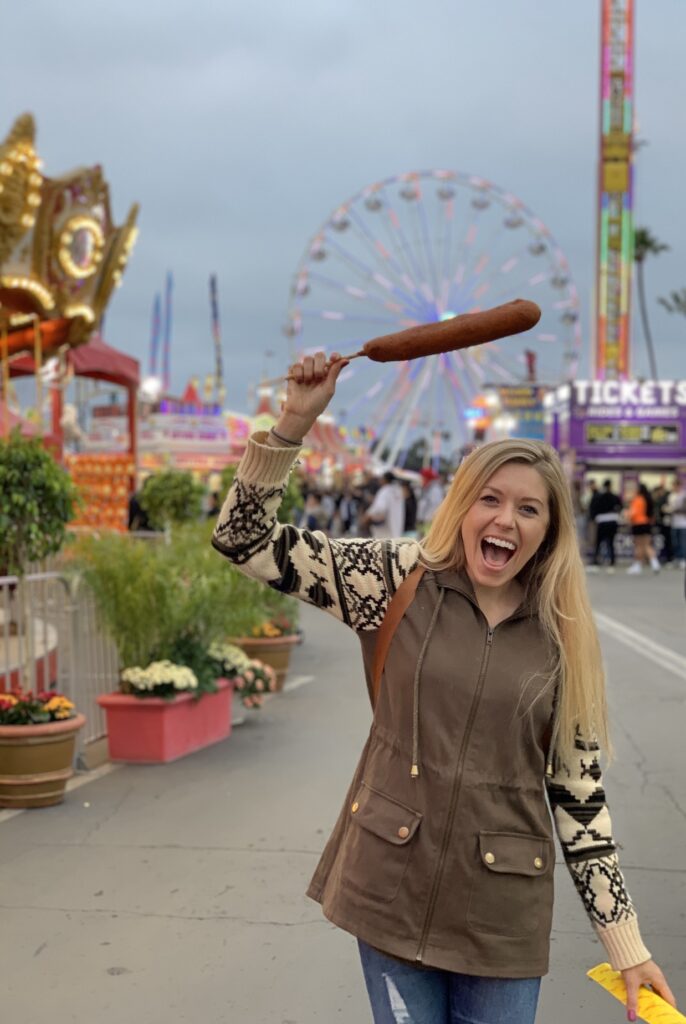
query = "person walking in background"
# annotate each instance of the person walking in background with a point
(608, 508)
(314, 516)
(410, 509)
(676, 506)
(641, 512)
(386, 514)
(591, 528)
(579, 515)
(433, 492)
(663, 523)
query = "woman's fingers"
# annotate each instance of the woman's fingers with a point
(319, 366)
(632, 987)
(308, 369)
(659, 984)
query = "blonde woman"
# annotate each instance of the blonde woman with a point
(441, 862)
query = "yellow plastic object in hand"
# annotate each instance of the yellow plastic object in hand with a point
(651, 1007)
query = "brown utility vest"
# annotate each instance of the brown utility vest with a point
(452, 868)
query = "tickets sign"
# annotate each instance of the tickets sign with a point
(620, 420)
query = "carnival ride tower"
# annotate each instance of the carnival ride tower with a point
(615, 230)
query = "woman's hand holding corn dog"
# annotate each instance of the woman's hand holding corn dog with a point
(311, 386)
(312, 381)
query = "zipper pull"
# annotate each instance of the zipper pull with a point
(489, 637)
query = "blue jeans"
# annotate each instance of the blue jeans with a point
(403, 994)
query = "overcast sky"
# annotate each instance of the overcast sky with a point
(239, 127)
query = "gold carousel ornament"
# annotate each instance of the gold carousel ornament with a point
(61, 255)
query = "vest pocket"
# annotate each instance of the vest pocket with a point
(512, 890)
(378, 843)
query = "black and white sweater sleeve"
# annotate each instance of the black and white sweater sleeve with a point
(582, 821)
(353, 580)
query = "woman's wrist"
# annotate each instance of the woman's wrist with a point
(280, 441)
(291, 427)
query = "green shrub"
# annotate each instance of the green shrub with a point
(172, 601)
(37, 499)
(170, 498)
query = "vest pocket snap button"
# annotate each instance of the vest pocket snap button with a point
(355, 807)
(489, 858)
(403, 832)
(538, 863)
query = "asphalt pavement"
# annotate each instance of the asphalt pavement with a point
(170, 894)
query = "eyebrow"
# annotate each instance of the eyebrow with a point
(497, 491)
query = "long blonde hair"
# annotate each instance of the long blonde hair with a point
(554, 579)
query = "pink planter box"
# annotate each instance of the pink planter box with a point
(149, 730)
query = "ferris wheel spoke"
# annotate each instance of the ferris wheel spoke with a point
(395, 231)
(377, 248)
(460, 408)
(359, 294)
(402, 397)
(391, 271)
(396, 389)
(460, 263)
(444, 230)
(430, 255)
(374, 278)
(406, 407)
(426, 282)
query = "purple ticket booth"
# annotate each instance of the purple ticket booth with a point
(622, 430)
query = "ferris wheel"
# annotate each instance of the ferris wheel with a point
(417, 248)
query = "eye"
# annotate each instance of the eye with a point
(530, 510)
(488, 498)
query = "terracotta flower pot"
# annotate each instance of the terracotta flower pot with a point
(151, 730)
(272, 650)
(36, 761)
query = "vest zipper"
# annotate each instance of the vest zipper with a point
(457, 784)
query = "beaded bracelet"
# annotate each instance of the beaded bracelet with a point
(285, 440)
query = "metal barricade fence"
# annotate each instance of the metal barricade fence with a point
(50, 636)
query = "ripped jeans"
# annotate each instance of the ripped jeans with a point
(403, 994)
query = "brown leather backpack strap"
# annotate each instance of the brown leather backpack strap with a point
(398, 605)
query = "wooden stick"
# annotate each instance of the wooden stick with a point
(281, 380)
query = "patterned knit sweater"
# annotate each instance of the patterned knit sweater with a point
(348, 579)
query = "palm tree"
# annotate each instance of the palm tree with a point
(676, 303)
(646, 244)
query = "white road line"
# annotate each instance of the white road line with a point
(297, 682)
(643, 645)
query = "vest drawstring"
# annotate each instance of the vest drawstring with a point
(414, 770)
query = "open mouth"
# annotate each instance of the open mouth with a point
(497, 552)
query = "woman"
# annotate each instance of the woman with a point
(641, 518)
(441, 862)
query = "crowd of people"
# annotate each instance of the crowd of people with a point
(655, 520)
(386, 505)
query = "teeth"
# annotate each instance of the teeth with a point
(501, 543)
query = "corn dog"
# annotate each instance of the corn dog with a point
(460, 332)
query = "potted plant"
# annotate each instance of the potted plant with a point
(272, 631)
(158, 716)
(163, 605)
(37, 499)
(253, 680)
(37, 740)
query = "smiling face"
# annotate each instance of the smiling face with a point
(506, 525)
